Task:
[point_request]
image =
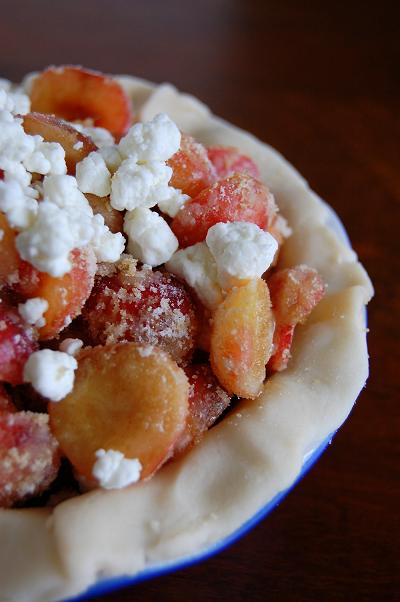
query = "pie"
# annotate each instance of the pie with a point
(257, 449)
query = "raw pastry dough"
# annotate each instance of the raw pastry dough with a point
(243, 462)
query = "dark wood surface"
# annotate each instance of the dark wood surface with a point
(320, 82)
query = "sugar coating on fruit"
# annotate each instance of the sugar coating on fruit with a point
(192, 169)
(113, 471)
(150, 238)
(32, 311)
(196, 266)
(51, 373)
(29, 456)
(156, 140)
(93, 176)
(241, 251)
(237, 198)
(149, 308)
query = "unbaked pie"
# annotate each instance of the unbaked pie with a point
(150, 290)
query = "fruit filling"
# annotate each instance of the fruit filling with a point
(140, 289)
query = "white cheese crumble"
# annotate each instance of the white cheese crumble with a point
(32, 311)
(113, 471)
(100, 136)
(111, 156)
(64, 221)
(48, 157)
(196, 266)
(139, 185)
(174, 203)
(17, 204)
(141, 180)
(71, 346)
(150, 238)
(47, 243)
(51, 373)
(155, 140)
(106, 245)
(13, 101)
(93, 176)
(241, 250)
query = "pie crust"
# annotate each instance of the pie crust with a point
(244, 461)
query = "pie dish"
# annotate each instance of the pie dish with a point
(244, 461)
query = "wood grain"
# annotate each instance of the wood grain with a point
(320, 83)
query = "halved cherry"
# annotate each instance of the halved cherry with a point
(29, 456)
(112, 218)
(17, 342)
(147, 307)
(77, 94)
(238, 198)
(241, 339)
(126, 398)
(294, 294)
(207, 401)
(192, 169)
(65, 296)
(228, 160)
(76, 145)
(9, 256)
(282, 343)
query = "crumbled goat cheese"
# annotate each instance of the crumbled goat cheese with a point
(32, 311)
(172, 205)
(106, 245)
(113, 471)
(63, 191)
(156, 140)
(64, 221)
(93, 176)
(78, 145)
(14, 101)
(48, 157)
(139, 185)
(196, 266)
(150, 238)
(16, 171)
(15, 201)
(100, 136)
(47, 243)
(111, 156)
(15, 145)
(241, 251)
(51, 373)
(71, 346)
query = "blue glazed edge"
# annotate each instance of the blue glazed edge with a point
(109, 585)
(113, 584)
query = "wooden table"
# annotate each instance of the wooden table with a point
(321, 84)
